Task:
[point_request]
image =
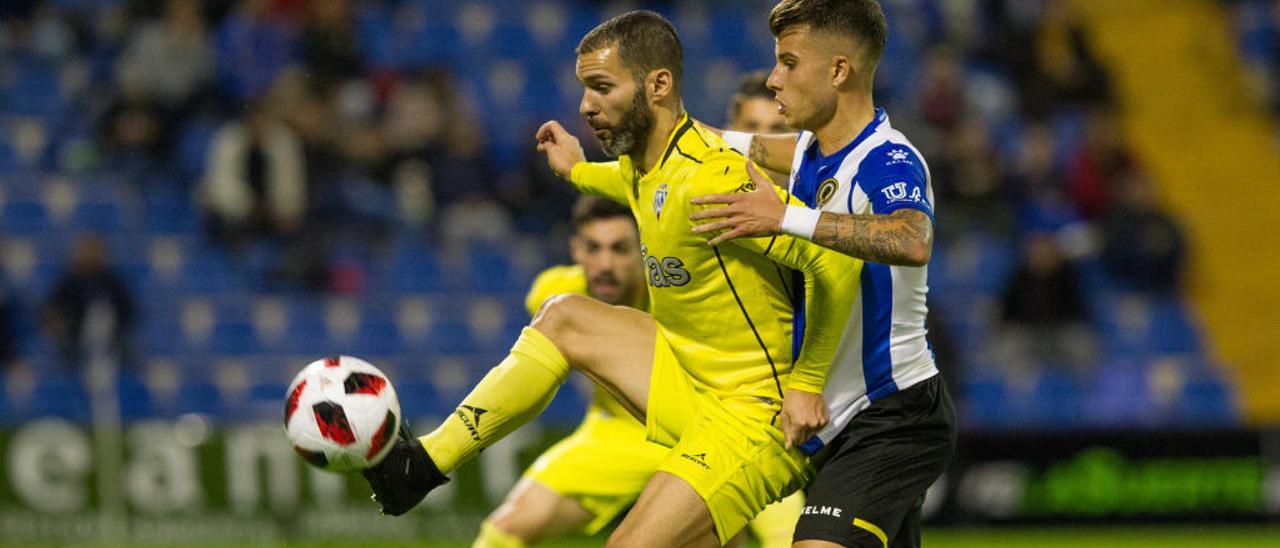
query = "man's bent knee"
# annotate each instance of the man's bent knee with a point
(560, 319)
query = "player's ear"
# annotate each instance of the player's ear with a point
(660, 84)
(842, 71)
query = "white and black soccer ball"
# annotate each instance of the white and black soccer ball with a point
(342, 414)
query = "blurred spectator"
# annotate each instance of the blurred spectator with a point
(1098, 165)
(90, 313)
(8, 320)
(329, 46)
(969, 181)
(254, 44)
(1143, 247)
(1036, 185)
(168, 60)
(428, 120)
(942, 92)
(1043, 312)
(133, 134)
(255, 183)
(1069, 72)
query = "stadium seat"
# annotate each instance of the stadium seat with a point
(24, 218)
(135, 398)
(1206, 402)
(199, 397)
(64, 397)
(1056, 400)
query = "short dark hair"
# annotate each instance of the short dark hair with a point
(595, 208)
(754, 84)
(862, 20)
(646, 42)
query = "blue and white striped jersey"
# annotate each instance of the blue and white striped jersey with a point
(884, 348)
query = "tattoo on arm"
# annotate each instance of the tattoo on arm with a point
(757, 152)
(902, 238)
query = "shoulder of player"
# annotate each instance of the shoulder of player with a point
(893, 158)
(721, 170)
(558, 279)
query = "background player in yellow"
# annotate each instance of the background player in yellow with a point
(706, 370)
(587, 479)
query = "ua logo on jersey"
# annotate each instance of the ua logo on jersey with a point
(895, 192)
(659, 199)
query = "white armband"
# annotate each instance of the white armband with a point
(800, 221)
(738, 140)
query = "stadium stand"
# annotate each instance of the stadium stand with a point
(219, 326)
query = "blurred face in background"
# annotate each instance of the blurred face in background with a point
(613, 102)
(802, 78)
(609, 251)
(758, 115)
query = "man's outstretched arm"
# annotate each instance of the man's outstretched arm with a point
(903, 237)
(772, 151)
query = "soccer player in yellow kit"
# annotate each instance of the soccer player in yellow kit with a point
(587, 479)
(710, 368)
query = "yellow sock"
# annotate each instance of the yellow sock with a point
(510, 395)
(492, 537)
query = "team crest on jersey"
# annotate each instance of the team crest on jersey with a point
(827, 191)
(659, 199)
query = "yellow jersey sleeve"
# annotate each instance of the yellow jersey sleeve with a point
(606, 179)
(831, 278)
(555, 281)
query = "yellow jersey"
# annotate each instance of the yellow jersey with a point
(727, 310)
(573, 279)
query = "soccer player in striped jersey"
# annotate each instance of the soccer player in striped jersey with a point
(866, 193)
(708, 369)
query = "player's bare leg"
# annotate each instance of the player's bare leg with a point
(613, 345)
(669, 513)
(531, 513)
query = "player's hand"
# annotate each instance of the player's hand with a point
(562, 149)
(742, 214)
(405, 475)
(803, 415)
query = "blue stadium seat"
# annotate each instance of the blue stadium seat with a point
(59, 397)
(419, 399)
(1171, 330)
(24, 218)
(985, 403)
(490, 268)
(451, 336)
(135, 398)
(413, 268)
(199, 397)
(1057, 400)
(377, 333)
(104, 217)
(1206, 401)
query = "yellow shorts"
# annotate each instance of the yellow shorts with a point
(603, 465)
(726, 448)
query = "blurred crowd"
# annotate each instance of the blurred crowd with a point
(286, 124)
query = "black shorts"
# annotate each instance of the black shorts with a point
(872, 477)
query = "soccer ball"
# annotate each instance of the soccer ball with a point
(341, 414)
